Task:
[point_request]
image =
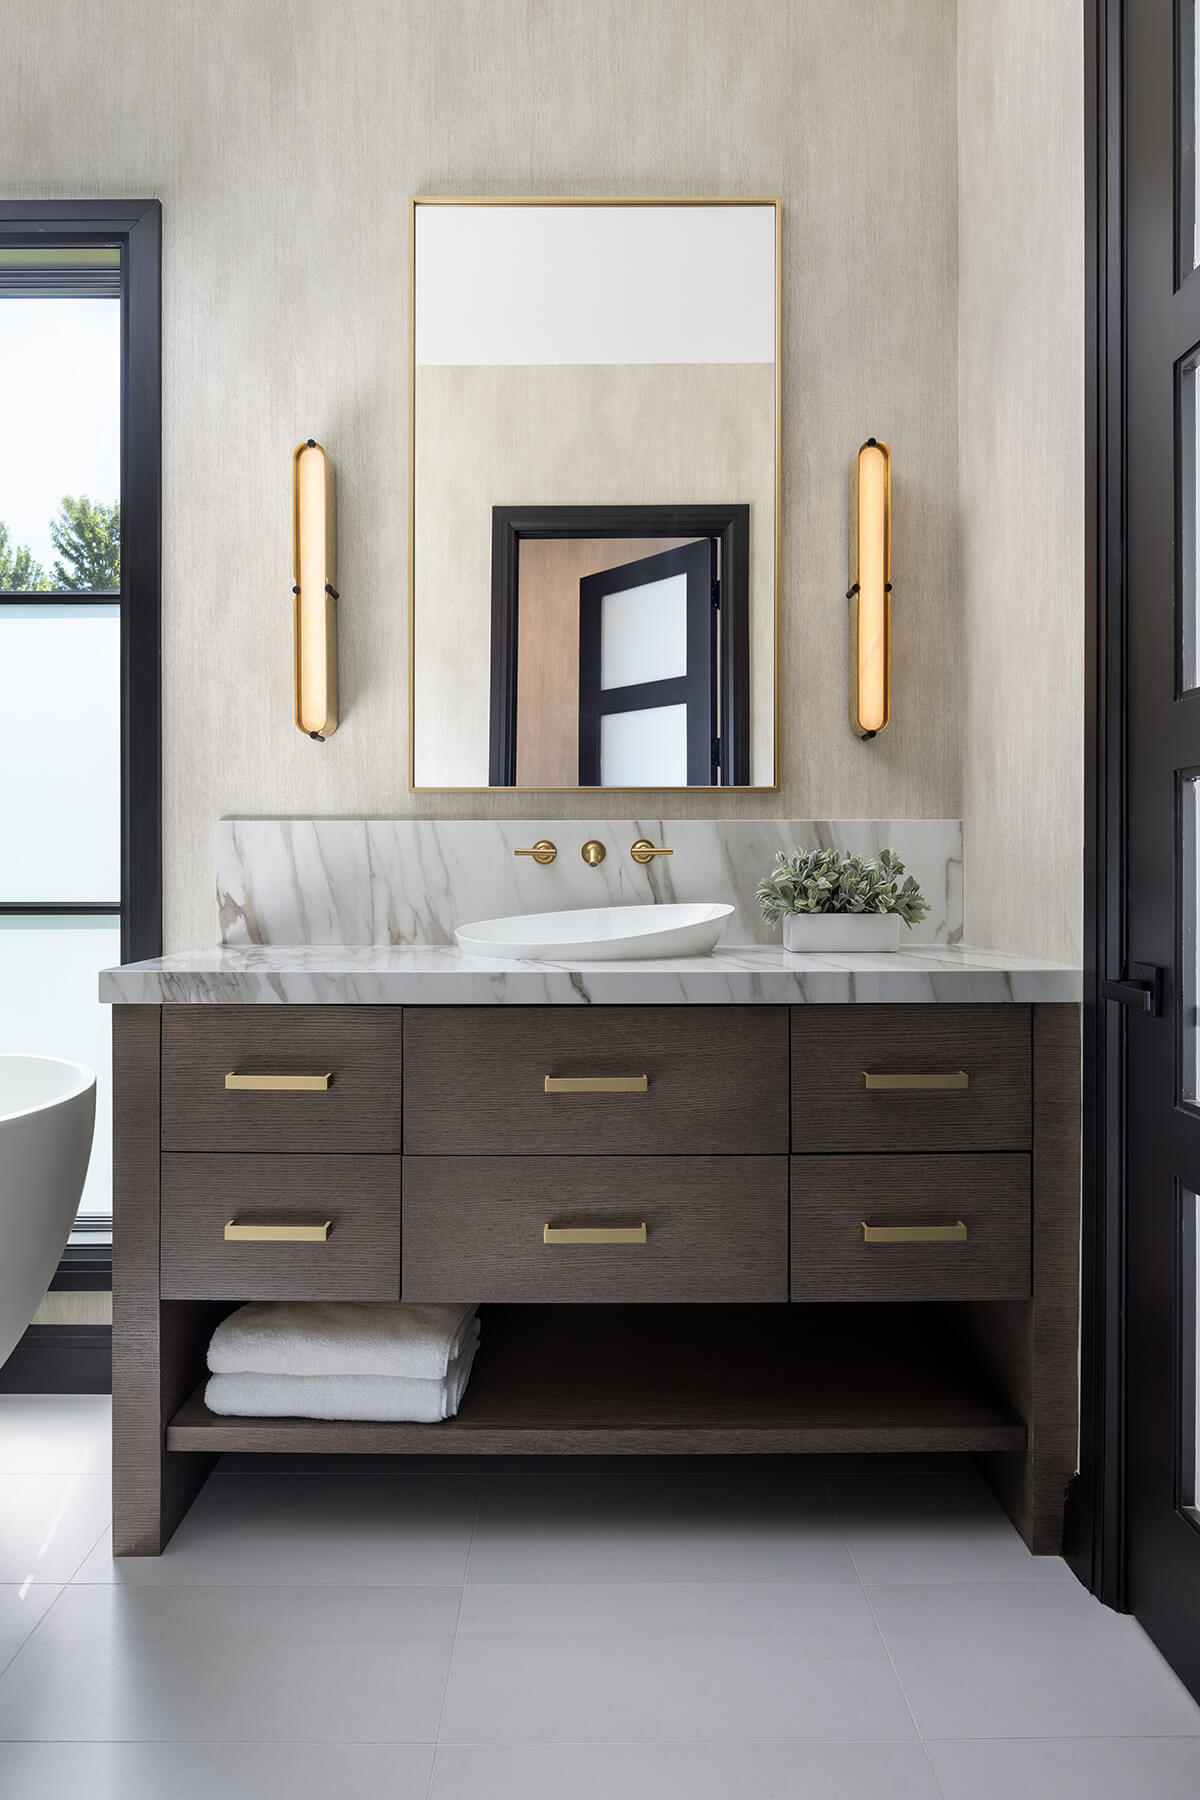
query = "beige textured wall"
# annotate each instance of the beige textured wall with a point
(1020, 157)
(606, 435)
(284, 137)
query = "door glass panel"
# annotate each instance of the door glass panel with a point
(644, 748)
(1189, 1387)
(60, 818)
(1189, 525)
(60, 450)
(48, 1007)
(643, 634)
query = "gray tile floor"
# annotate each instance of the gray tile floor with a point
(576, 1632)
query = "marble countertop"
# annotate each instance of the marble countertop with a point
(441, 975)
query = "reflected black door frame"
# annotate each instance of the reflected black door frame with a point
(729, 525)
(1130, 1538)
(696, 688)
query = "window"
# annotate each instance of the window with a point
(79, 458)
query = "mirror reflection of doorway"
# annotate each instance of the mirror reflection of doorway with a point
(648, 697)
(620, 647)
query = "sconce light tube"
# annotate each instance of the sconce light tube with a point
(870, 592)
(315, 589)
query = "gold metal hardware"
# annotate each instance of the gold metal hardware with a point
(543, 852)
(914, 1234)
(644, 850)
(276, 1084)
(597, 1084)
(593, 1234)
(593, 853)
(954, 1081)
(277, 1234)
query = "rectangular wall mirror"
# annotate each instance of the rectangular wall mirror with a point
(594, 493)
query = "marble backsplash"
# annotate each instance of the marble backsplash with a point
(411, 881)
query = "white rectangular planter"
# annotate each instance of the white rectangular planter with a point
(836, 934)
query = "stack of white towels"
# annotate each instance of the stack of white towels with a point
(342, 1360)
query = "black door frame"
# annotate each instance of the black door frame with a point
(135, 226)
(1096, 1509)
(729, 524)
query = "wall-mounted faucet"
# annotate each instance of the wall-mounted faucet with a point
(644, 850)
(593, 853)
(542, 852)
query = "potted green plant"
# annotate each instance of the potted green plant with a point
(831, 901)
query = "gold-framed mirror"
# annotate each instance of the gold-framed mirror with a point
(594, 493)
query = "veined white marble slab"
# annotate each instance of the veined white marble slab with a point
(411, 881)
(433, 975)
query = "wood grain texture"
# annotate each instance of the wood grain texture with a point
(694, 1379)
(832, 1195)
(360, 1259)
(716, 1228)
(1031, 1347)
(154, 1347)
(832, 1046)
(475, 1078)
(359, 1045)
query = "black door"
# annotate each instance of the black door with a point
(1162, 1101)
(648, 678)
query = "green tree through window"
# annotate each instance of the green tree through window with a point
(19, 573)
(87, 536)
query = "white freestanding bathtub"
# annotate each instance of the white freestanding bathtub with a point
(47, 1112)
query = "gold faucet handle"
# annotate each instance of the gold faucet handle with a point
(542, 852)
(643, 850)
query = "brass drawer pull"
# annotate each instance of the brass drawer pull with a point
(914, 1234)
(593, 1234)
(277, 1234)
(597, 1084)
(953, 1082)
(276, 1084)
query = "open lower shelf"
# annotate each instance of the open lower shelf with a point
(689, 1379)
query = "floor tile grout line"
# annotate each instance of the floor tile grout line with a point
(886, 1647)
(454, 1637)
(28, 1639)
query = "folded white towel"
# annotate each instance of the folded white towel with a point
(346, 1337)
(393, 1398)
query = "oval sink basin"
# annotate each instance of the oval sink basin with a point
(599, 933)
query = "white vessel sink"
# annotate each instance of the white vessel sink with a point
(599, 933)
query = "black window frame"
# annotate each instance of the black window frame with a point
(135, 228)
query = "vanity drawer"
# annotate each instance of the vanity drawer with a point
(695, 1079)
(978, 1205)
(715, 1228)
(359, 1196)
(357, 1047)
(953, 1078)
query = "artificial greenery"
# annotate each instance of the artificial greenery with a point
(833, 881)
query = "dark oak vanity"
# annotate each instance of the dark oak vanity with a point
(691, 1228)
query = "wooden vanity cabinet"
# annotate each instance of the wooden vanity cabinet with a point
(692, 1228)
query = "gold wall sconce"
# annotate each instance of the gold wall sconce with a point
(870, 593)
(314, 531)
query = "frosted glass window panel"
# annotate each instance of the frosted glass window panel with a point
(643, 633)
(60, 375)
(48, 1007)
(647, 748)
(60, 799)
